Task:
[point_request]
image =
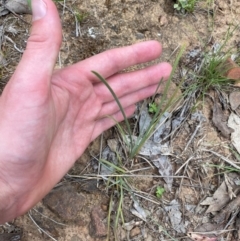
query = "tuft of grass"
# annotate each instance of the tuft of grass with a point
(80, 16)
(164, 105)
(211, 73)
(117, 183)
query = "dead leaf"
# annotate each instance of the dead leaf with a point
(234, 123)
(139, 211)
(199, 237)
(219, 121)
(175, 216)
(150, 147)
(164, 168)
(219, 199)
(223, 216)
(234, 99)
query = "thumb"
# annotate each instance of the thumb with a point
(42, 49)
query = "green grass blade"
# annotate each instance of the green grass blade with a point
(119, 105)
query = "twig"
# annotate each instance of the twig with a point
(14, 44)
(193, 135)
(48, 217)
(223, 158)
(40, 227)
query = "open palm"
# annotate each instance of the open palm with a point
(49, 117)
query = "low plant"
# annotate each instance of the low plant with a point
(165, 104)
(185, 5)
(118, 182)
(152, 108)
(80, 16)
(159, 192)
(211, 73)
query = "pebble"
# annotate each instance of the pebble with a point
(65, 202)
(97, 228)
(135, 231)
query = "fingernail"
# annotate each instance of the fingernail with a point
(39, 9)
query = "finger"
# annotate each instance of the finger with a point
(107, 122)
(42, 49)
(128, 100)
(126, 83)
(113, 61)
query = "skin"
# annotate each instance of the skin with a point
(49, 117)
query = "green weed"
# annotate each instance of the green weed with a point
(80, 16)
(211, 73)
(159, 192)
(185, 5)
(152, 108)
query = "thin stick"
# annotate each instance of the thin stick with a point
(41, 228)
(223, 158)
(48, 217)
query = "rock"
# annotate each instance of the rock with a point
(163, 21)
(234, 99)
(135, 231)
(97, 228)
(10, 236)
(65, 202)
(140, 35)
(15, 6)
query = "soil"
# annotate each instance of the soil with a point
(114, 23)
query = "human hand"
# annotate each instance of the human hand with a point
(49, 117)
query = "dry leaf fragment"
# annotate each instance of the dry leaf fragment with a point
(175, 216)
(227, 211)
(234, 123)
(234, 99)
(219, 121)
(198, 237)
(164, 168)
(219, 199)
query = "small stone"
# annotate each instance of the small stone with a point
(140, 35)
(163, 21)
(113, 144)
(149, 238)
(97, 228)
(104, 207)
(234, 99)
(135, 231)
(65, 202)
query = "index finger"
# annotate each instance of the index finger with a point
(112, 61)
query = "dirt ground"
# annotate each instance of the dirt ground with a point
(78, 207)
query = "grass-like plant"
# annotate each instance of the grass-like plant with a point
(211, 73)
(165, 104)
(118, 181)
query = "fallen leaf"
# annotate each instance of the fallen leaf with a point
(222, 217)
(234, 99)
(150, 148)
(199, 237)
(234, 123)
(219, 199)
(175, 216)
(219, 121)
(139, 211)
(164, 168)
